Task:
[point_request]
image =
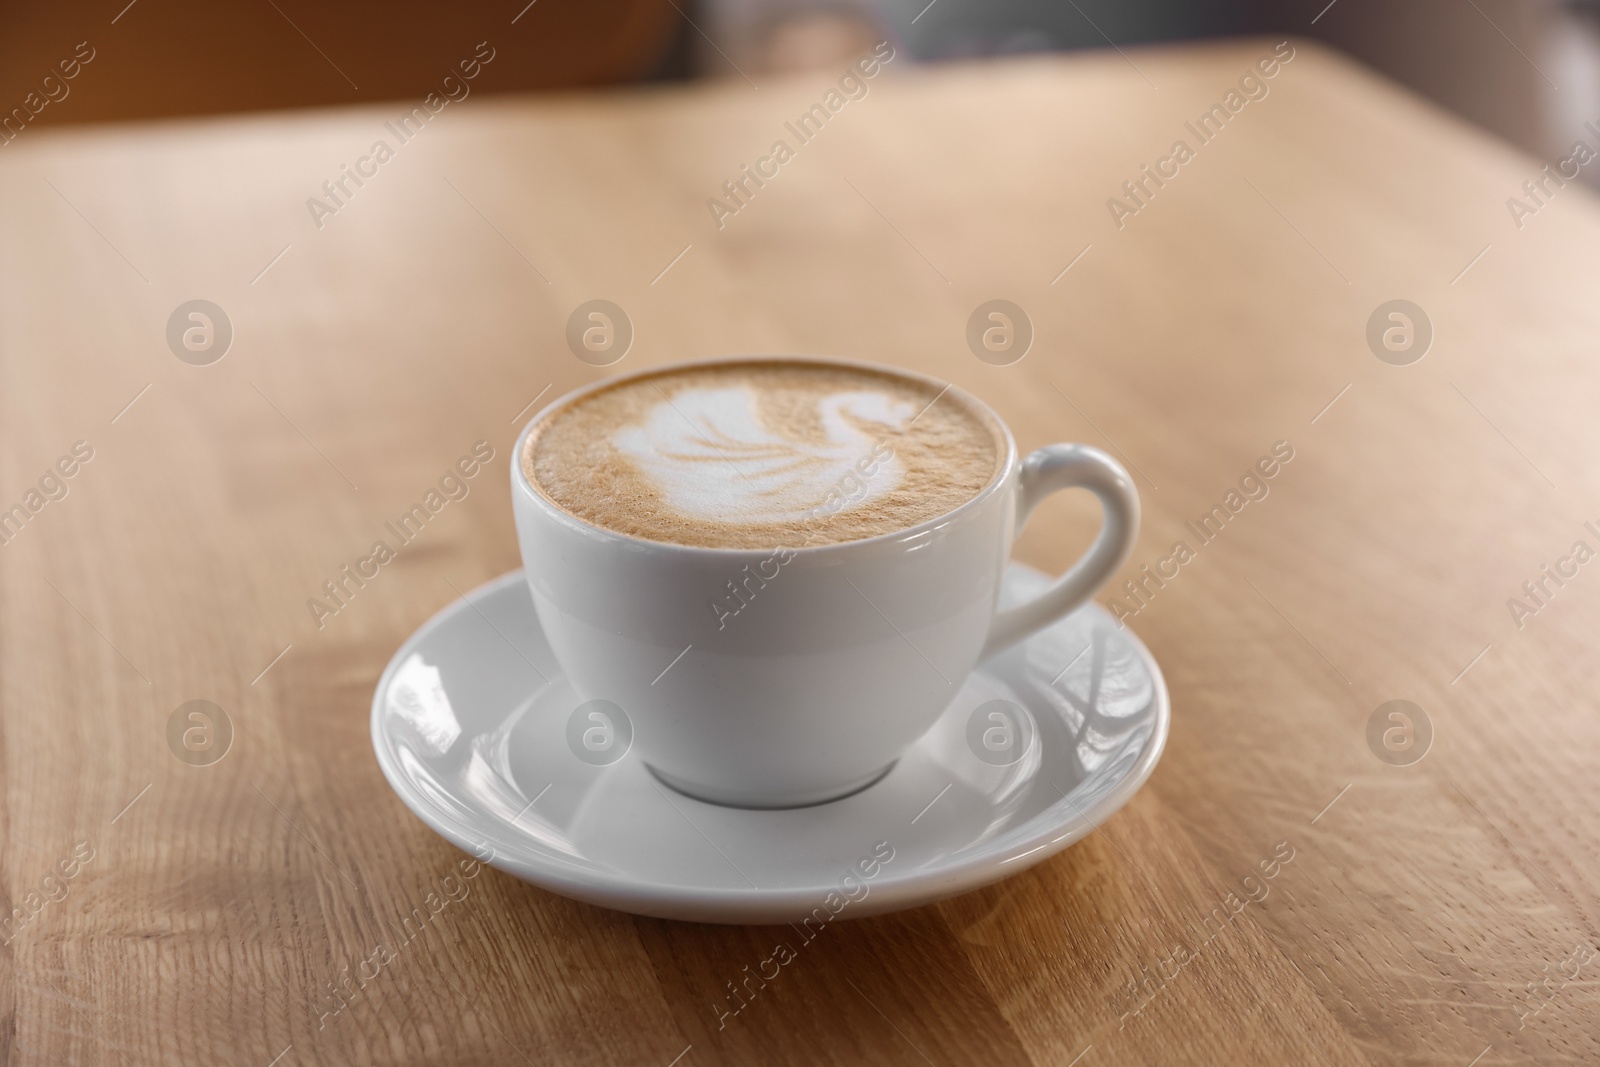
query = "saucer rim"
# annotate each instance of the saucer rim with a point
(756, 905)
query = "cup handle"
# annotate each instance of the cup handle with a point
(1045, 471)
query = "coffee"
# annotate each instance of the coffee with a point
(763, 454)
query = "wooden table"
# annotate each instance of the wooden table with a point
(211, 906)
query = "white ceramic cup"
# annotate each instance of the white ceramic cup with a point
(842, 656)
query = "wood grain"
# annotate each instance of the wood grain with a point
(224, 904)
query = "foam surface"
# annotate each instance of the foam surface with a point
(762, 454)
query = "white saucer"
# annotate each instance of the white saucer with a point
(475, 741)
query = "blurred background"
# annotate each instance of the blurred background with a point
(1528, 70)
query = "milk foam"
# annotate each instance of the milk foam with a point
(763, 452)
(712, 458)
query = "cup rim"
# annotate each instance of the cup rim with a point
(551, 509)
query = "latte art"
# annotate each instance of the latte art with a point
(689, 446)
(762, 454)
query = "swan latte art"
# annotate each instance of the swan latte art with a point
(763, 454)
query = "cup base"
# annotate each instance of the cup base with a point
(737, 799)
